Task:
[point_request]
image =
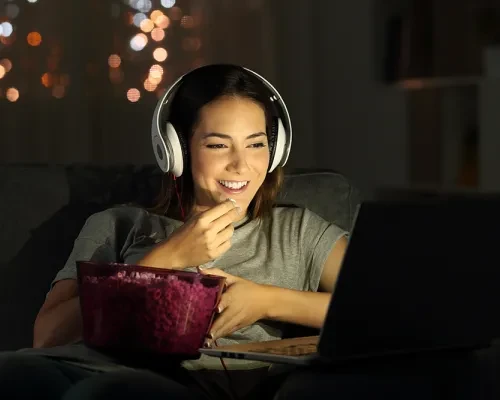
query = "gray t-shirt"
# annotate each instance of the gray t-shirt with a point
(288, 250)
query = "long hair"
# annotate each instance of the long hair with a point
(197, 89)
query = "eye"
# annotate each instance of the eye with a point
(216, 146)
(258, 145)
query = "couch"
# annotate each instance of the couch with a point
(45, 206)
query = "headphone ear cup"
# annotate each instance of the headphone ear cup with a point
(184, 149)
(174, 142)
(273, 133)
(278, 143)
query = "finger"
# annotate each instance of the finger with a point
(217, 211)
(223, 236)
(225, 324)
(224, 221)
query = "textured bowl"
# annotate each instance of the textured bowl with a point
(129, 308)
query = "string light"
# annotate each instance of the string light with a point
(157, 34)
(133, 95)
(2, 71)
(160, 54)
(34, 39)
(12, 94)
(7, 29)
(167, 3)
(114, 61)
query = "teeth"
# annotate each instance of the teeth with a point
(233, 185)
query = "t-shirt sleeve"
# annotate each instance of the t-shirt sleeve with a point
(318, 238)
(95, 242)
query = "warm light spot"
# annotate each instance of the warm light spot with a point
(156, 71)
(133, 95)
(162, 22)
(34, 39)
(114, 61)
(58, 91)
(167, 3)
(160, 54)
(32, 1)
(7, 29)
(150, 86)
(157, 34)
(175, 13)
(47, 80)
(138, 42)
(147, 25)
(191, 44)
(6, 63)
(141, 5)
(2, 71)
(12, 94)
(154, 15)
(187, 21)
(116, 76)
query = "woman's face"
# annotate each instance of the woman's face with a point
(229, 152)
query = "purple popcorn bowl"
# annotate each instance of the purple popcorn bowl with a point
(144, 310)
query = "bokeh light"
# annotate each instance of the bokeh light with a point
(156, 71)
(2, 71)
(6, 63)
(138, 42)
(34, 39)
(162, 21)
(155, 14)
(133, 95)
(160, 54)
(12, 94)
(138, 18)
(147, 25)
(58, 91)
(150, 86)
(32, 1)
(12, 10)
(7, 29)
(187, 22)
(114, 61)
(167, 3)
(47, 80)
(157, 34)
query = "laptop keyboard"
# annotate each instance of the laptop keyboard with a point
(291, 350)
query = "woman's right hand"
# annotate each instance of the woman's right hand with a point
(203, 238)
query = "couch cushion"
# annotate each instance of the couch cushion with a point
(28, 196)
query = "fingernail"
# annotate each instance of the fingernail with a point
(207, 344)
(219, 309)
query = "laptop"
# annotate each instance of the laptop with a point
(419, 275)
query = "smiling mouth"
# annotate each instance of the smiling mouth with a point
(234, 185)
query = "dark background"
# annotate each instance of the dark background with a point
(389, 92)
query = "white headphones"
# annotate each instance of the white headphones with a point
(171, 151)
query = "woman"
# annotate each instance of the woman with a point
(285, 260)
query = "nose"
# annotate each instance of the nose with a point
(238, 162)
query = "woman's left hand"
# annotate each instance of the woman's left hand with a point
(243, 303)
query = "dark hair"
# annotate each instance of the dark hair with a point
(198, 88)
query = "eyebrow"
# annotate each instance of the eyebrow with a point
(224, 136)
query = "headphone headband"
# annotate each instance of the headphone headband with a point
(167, 145)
